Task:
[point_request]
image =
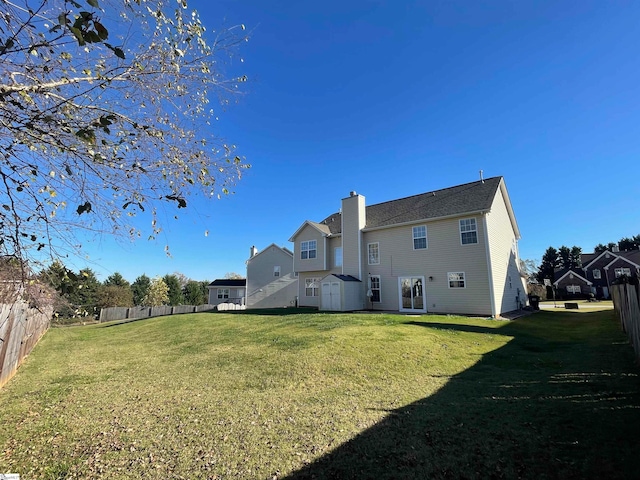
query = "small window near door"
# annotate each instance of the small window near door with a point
(276, 270)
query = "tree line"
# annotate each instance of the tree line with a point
(81, 294)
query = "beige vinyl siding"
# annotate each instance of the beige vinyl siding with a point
(444, 254)
(353, 220)
(310, 264)
(264, 289)
(508, 284)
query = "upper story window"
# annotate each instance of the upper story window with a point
(337, 256)
(374, 253)
(622, 271)
(419, 237)
(276, 270)
(468, 231)
(308, 249)
(596, 274)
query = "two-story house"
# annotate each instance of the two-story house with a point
(453, 250)
(271, 281)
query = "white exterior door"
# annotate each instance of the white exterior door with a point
(411, 294)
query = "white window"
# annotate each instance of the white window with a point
(374, 253)
(456, 280)
(311, 287)
(622, 271)
(223, 293)
(374, 286)
(596, 274)
(276, 270)
(573, 289)
(337, 256)
(468, 231)
(420, 237)
(308, 249)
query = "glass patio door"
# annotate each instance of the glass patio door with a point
(411, 291)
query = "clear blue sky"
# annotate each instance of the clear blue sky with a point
(396, 98)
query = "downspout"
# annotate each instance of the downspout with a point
(489, 269)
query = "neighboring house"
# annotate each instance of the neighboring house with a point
(449, 251)
(227, 291)
(271, 281)
(597, 272)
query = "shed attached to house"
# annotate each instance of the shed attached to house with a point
(341, 293)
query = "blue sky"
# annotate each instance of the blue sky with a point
(395, 98)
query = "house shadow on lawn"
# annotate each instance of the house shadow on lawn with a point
(559, 400)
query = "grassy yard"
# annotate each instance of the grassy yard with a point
(312, 395)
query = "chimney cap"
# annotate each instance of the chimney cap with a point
(352, 193)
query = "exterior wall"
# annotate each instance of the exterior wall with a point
(310, 264)
(444, 253)
(584, 288)
(264, 290)
(353, 221)
(509, 289)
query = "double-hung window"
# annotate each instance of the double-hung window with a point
(420, 237)
(374, 253)
(223, 293)
(276, 270)
(308, 249)
(456, 280)
(468, 231)
(596, 274)
(311, 287)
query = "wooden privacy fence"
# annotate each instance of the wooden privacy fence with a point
(20, 329)
(626, 301)
(134, 313)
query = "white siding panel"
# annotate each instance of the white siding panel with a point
(310, 264)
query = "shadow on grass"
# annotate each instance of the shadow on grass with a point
(560, 400)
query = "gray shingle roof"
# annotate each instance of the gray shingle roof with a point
(458, 200)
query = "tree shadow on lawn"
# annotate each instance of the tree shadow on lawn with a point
(565, 407)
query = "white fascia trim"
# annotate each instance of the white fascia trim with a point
(620, 257)
(599, 256)
(576, 274)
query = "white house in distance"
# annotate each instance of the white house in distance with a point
(271, 281)
(453, 250)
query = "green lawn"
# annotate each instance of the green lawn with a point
(310, 395)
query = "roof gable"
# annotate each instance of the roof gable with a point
(323, 229)
(602, 254)
(284, 250)
(575, 274)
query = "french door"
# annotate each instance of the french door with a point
(411, 294)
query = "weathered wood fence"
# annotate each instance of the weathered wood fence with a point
(626, 301)
(20, 329)
(134, 313)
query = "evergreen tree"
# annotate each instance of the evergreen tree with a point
(550, 261)
(140, 289)
(175, 291)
